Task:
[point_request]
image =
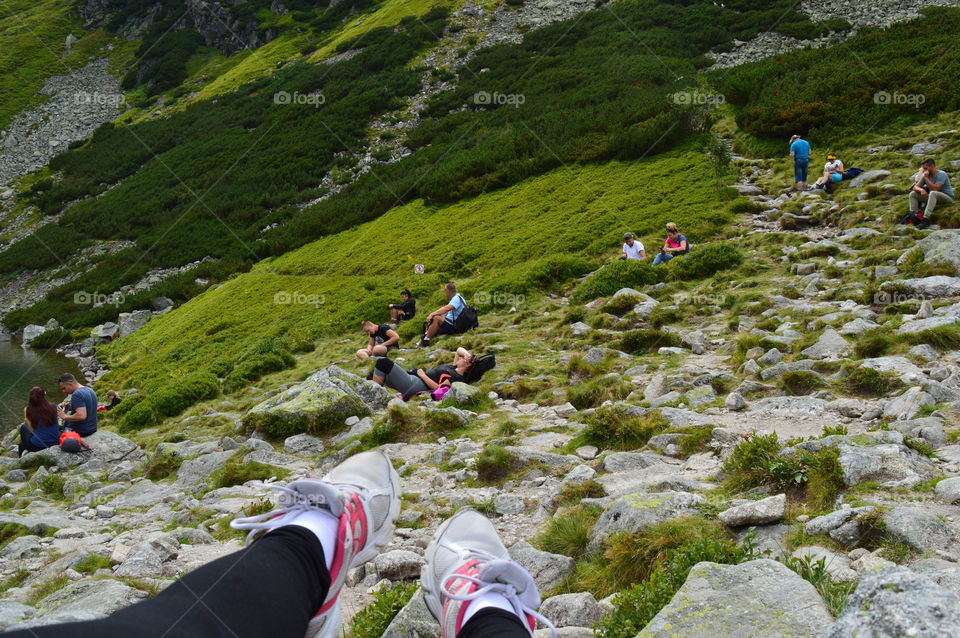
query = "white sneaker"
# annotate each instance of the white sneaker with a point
(363, 492)
(466, 560)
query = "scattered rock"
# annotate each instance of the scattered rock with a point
(572, 610)
(762, 512)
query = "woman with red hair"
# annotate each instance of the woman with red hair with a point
(40, 429)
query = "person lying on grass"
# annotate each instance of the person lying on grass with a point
(382, 339)
(388, 373)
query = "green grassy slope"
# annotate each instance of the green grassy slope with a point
(481, 243)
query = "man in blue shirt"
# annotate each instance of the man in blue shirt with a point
(930, 185)
(800, 152)
(83, 405)
(443, 320)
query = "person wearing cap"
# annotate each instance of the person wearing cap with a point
(832, 172)
(800, 152)
(632, 249)
(404, 310)
(675, 244)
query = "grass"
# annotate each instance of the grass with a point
(236, 472)
(91, 563)
(800, 382)
(10, 531)
(373, 620)
(161, 464)
(596, 391)
(509, 224)
(15, 580)
(568, 532)
(868, 382)
(614, 429)
(695, 439)
(494, 463)
(573, 493)
(46, 588)
(834, 594)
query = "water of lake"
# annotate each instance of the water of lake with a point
(20, 370)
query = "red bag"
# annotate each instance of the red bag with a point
(71, 442)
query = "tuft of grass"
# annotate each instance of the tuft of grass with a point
(597, 391)
(573, 493)
(615, 429)
(695, 440)
(943, 338)
(494, 463)
(643, 341)
(47, 587)
(868, 382)
(162, 464)
(236, 472)
(91, 563)
(10, 531)
(920, 446)
(568, 532)
(52, 484)
(373, 620)
(800, 382)
(15, 580)
(834, 594)
(873, 343)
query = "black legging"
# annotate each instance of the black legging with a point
(25, 445)
(272, 588)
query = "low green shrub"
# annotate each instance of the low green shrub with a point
(611, 278)
(800, 382)
(705, 262)
(494, 463)
(635, 607)
(52, 484)
(373, 620)
(643, 341)
(51, 338)
(612, 428)
(162, 464)
(695, 440)
(169, 400)
(236, 472)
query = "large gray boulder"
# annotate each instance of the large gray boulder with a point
(130, 322)
(12, 612)
(195, 471)
(876, 456)
(830, 345)
(304, 444)
(548, 570)
(907, 405)
(895, 601)
(105, 331)
(948, 490)
(572, 610)
(905, 370)
(941, 248)
(756, 599)
(921, 529)
(31, 332)
(763, 512)
(99, 596)
(868, 176)
(105, 446)
(319, 404)
(842, 525)
(636, 512)
(413, 621)
(929, 287)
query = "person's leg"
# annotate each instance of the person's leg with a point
(434, 326)
(914, 201)
(379, 350)
(494, 622)
(274, 587)
(388, 373)
(362, 353)
(804, 165)
(394, 314)
(936, 197)
(25, 445)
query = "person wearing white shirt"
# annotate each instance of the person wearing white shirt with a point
(832, 172)
(632, 249)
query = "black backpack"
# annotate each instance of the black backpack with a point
(468, 318)
(480, 366)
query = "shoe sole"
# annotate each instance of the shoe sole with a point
(382, 538)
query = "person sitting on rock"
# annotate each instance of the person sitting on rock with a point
(632, 249)
(405, 310)
(675, 244)
(446, 320)
(832, 172)
(388, 373)
(83, 406)
(382, 340)
(288, 581)
(40, 429)
(932, 186)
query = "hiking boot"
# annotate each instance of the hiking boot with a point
(465, 560)
(363, 492)
(423, 343)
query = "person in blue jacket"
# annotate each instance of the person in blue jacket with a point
(800, 152)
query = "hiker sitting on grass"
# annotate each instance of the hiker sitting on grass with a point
(832, 172)
(404, 310)
(675, 244)
(453, 318)
(382, 340)
(409, 383)
(632, 249)
(113, 400)
(930, 185)
(40, 429)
